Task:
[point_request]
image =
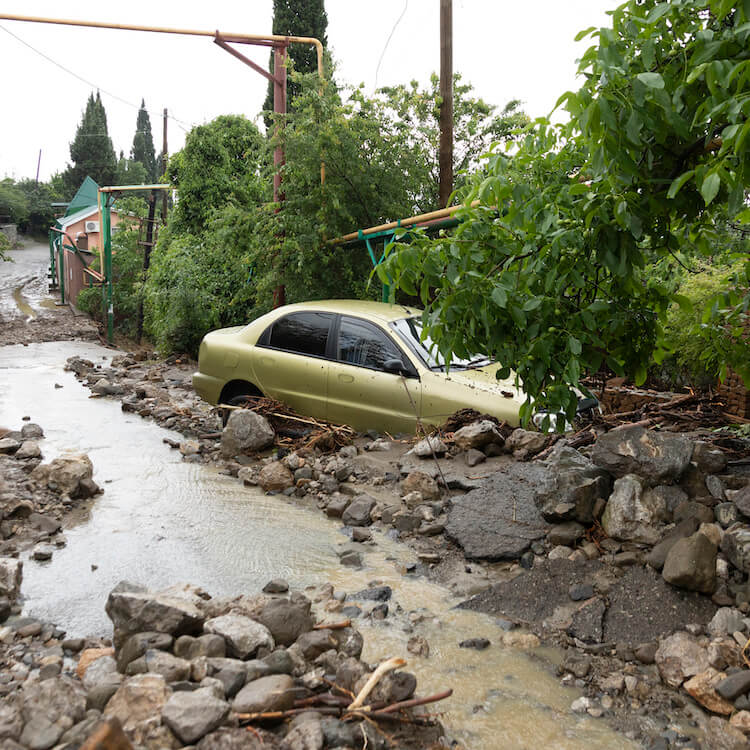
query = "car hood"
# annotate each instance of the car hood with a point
(485, 379)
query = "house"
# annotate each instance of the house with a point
(81, 224)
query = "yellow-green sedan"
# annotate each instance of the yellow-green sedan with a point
(351, 362)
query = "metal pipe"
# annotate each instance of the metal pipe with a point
(124, 188)
(440, 214)
(241, 38)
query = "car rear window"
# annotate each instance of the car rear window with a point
(363, 344)
(302, 333)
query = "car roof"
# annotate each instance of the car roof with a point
(381, 310)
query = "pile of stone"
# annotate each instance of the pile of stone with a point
(34, 496)
(188, 670)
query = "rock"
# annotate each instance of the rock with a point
(49, 708)
(429, 446)
(275, 477)
(736, 546)
(418, 646)
(170, 667)
(373, 594)
(726, 621)
(193, 715)
(286, 620)
(418, 481)
(337, 505)
(474, 457)
(476, 643)
(679, 657)
(137, 645)
(567, 533)
(32, 431)
(735, 685)
(571, 487)
(11, 573)
(658, 554)
(577, 664)
(726, 514)
(580, 591)
(406, 522)
(741, 499)
(721, 736)
(477, 435)
(662, 457)
(691, 564)
(42, 552)
(693, 509)
(499, 520)
(190, 447)
(523, 444)
(245, 431)
(627, 517)
(9, 445)
(702, 687)
(276, 586)
(99, 694)
(68, 475)
(646, 652)
(358, 511)
(741, 721)
(242, 635)
(361, 534)
(707, 458)
(715, 487)
(138, 703)
(133, 609)
(307, 735)
(29, 449)
(88, 656)
(311, 645)
(99, 671)
(351, 558)
(272, 693)
(104, 387)
(587, 621)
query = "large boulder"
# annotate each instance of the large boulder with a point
(500, 519)
(735, 544)
(242, 635)
(418, 481)
(68, 475)
(573, 486)
(659, 457)
(286, 620)
(691, 564)
(138, 704)
(679, 657)
(246, 431)
(134, 609)
(524, 443)
(358, 511)
(50, 707)
(632, 514)
(191, 715)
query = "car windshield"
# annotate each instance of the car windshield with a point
(411, 331)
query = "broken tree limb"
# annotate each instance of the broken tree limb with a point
(387, 666)
(333, 625)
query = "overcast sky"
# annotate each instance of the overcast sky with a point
(505, 49)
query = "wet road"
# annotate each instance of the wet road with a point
(23, 282)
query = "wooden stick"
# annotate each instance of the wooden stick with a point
(333, 626)
(387, 666)
(417, 702)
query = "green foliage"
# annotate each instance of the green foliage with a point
(13, 201)
(546, 273)
(297, 18)
(130, 172)
(28, 204)
(4, 247)
(695, 349)
(91, 150)
(143, 146)
(221, 164)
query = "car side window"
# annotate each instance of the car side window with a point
(365, 345)
(301, 333)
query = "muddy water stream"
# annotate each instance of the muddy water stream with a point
(162, 521)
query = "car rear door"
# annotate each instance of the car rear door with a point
(290, 361)
(360, 391)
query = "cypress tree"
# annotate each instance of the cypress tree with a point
(143, 145)
(91, 150)
(297, 18)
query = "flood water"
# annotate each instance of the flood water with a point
(162, 521)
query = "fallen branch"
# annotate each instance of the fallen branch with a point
(333, 626)
(387, 666)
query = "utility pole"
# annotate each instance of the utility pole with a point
(446, 106)
(38, 164)
(164, 201)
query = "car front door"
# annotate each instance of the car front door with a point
(361, 392)
(290, 361)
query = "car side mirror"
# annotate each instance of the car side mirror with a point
(396, 366)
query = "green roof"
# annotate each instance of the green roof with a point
(86, 197)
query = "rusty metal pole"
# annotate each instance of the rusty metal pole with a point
(446, 106)
(279, 108)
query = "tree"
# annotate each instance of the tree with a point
(546, 273)
(91, 150)
(130, 172)
(297, 18)
(143, 145)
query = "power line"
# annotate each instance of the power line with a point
(180, 123)
(388, 41)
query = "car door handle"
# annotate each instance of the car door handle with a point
(346, 378)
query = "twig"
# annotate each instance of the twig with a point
(333, 626)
